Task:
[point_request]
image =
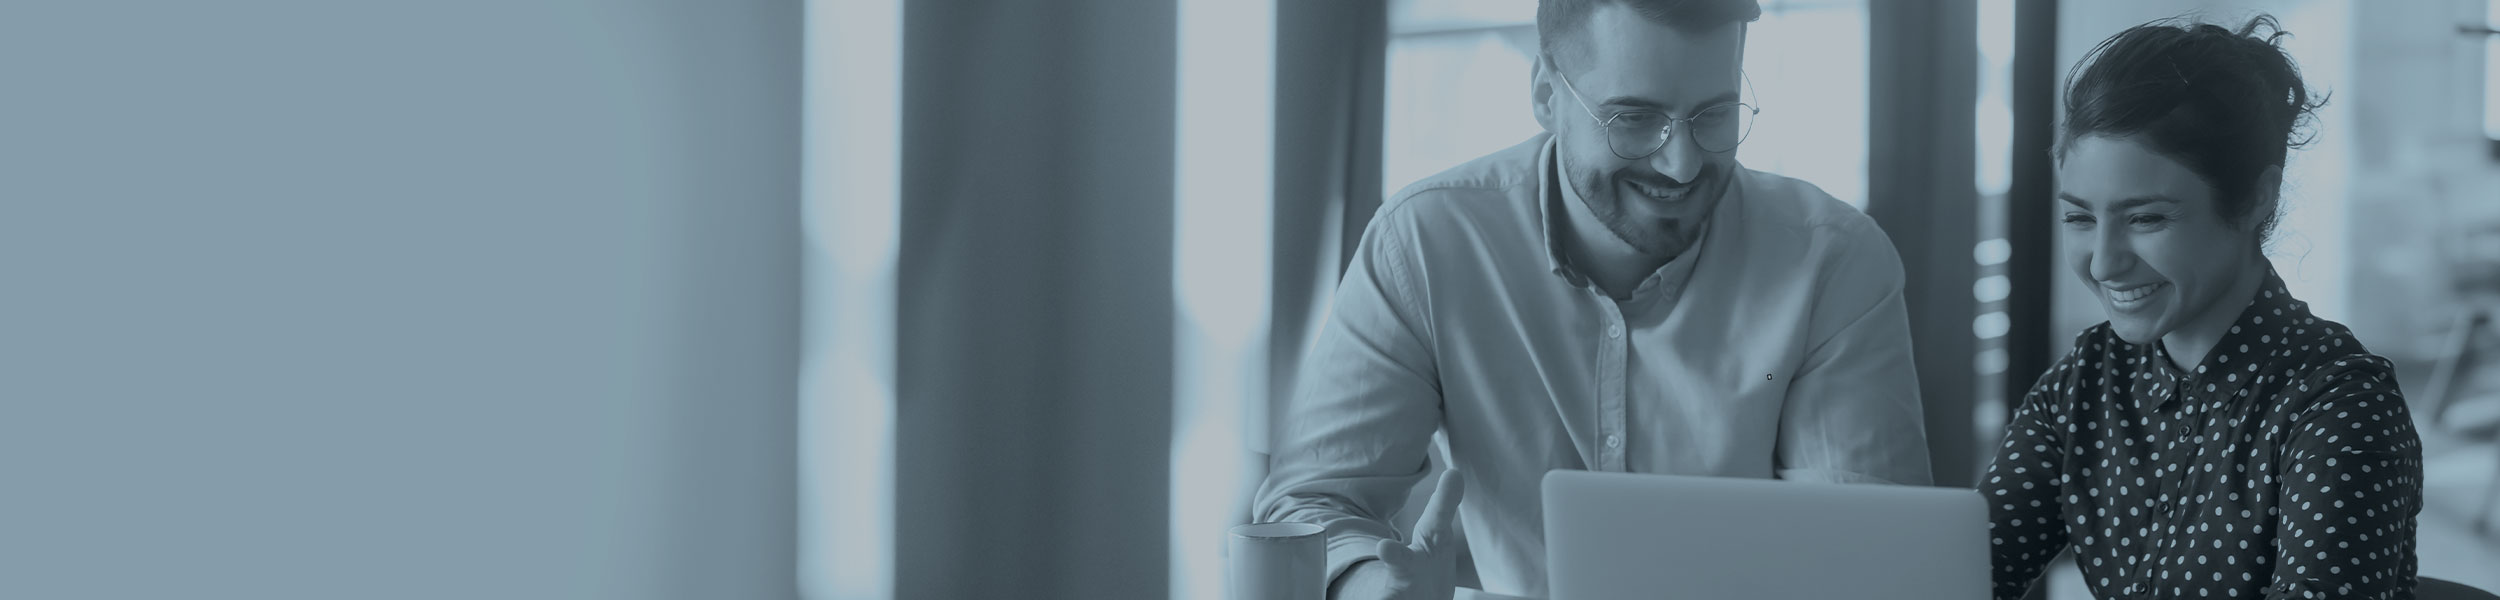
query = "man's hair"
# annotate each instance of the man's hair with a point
(2227, 104)
(1560, 20)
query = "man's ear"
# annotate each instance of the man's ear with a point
(1541, 94)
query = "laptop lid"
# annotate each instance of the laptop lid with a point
(1621, 535)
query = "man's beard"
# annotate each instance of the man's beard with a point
(1654, 238)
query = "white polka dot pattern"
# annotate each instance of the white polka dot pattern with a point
(2283, 466)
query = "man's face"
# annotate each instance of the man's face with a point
(1624, 63)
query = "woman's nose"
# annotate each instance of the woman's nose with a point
(2112, 255)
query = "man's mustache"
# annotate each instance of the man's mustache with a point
(1653, 180)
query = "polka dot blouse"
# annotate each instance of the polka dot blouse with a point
(2283, 466)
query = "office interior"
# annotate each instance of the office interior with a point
(867, 299)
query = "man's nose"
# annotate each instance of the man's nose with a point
(1680, 159)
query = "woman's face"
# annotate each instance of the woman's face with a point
(2146, 234)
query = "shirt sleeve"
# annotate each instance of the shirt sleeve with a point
(2349, 480)
(1351, 440)
(2026, 528)
(1852, 413)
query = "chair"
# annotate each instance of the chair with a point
(2441, 589)
(2472, 255)
(2471, 248)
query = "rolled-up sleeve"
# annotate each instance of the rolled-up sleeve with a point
(1853, 413)
(1350, 443)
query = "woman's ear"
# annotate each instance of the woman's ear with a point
(1541, 94)
(2269, 194)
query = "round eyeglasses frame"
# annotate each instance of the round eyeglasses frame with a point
(1667, 131)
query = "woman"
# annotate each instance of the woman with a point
(2213, 439)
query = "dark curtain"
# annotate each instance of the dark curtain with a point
(1034, 371)
(1331, 69)
(1923, 72)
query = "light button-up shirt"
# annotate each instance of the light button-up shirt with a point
(1778, 346)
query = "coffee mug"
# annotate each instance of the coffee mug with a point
(1276, 561)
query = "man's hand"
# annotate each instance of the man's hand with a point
(1422, 568)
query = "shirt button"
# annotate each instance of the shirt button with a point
(1614, 440)
(1614, 331)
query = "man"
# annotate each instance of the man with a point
(1616, 294)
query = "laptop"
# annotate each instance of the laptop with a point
(1622, 535)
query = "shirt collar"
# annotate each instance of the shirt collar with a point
(1549, 191)
(2235, 362)
(1552, 191)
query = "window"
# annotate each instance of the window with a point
(852, 206)
(1993, 177)
(1222, 180)
(2491, 72)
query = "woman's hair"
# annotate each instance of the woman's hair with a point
(2224, 103)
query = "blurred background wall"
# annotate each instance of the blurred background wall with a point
(446, 299)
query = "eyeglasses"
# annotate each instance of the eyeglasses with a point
(1636, 134)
